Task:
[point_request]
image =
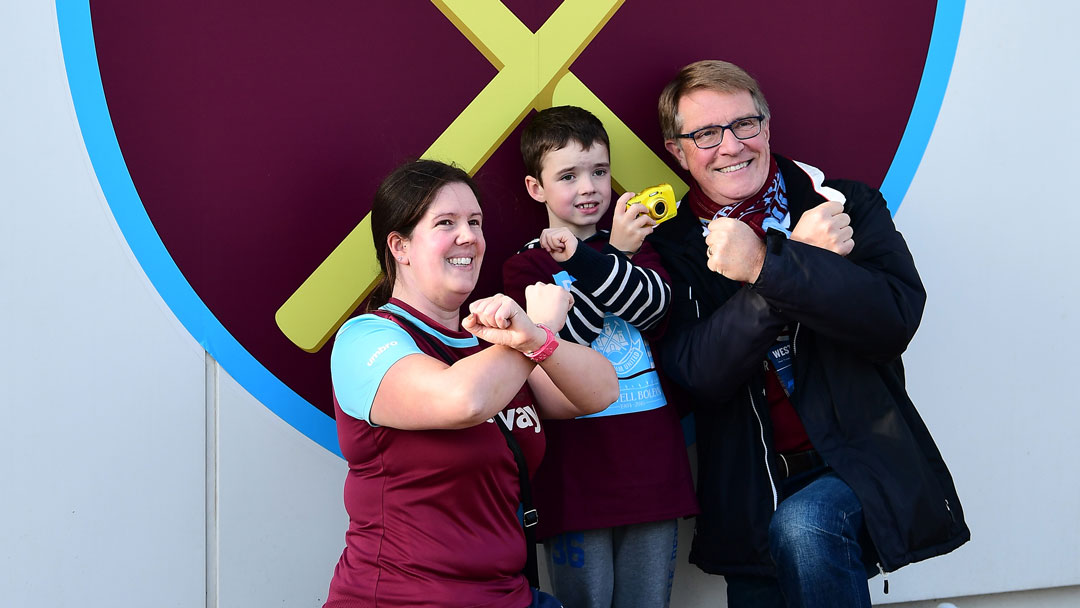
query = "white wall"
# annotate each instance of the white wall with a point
(135, 471)
(102, 469)
(991, 366)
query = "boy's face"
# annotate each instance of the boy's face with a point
(575, 185)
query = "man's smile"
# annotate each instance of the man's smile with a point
(735, 167)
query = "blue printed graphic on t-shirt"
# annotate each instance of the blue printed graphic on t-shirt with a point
(629, 353)
(563, 279)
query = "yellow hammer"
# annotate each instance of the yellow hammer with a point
(533, 73)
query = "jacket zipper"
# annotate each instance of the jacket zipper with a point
(764, 444)
(761, 426)
(886, 574)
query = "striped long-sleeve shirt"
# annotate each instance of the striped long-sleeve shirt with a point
(627, 465)
(604, 281)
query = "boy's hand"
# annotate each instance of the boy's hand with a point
(548, 304)
(630, 225)
(559, 242)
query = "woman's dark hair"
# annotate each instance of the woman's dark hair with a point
(401, 200)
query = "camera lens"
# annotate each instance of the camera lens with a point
(659, 209)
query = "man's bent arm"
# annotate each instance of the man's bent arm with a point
(872, 300)
(714, 356)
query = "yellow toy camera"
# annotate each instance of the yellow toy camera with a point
(659, 200)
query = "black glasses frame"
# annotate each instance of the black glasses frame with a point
(728, 127)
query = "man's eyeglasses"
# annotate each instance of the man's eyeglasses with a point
(711, 136)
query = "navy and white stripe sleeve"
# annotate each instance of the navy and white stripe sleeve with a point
(608, 282)
(585, 320)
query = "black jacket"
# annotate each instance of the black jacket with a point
(852, 318)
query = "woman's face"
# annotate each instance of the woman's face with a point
(440, 260)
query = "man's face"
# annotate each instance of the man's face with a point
(736, 169)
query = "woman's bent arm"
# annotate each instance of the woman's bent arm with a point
(420, 392)
(574, 381)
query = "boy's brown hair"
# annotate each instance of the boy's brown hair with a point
(553, 128)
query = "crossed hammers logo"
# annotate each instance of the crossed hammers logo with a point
(534, 73)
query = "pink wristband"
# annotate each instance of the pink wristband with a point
(548, 347)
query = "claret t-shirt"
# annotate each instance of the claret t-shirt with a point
(433, 515)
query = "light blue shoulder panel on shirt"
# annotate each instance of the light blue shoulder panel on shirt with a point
(447, 340)
(365, 348)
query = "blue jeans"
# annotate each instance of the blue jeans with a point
(814, 539)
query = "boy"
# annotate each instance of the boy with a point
(612, 485)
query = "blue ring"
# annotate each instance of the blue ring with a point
(924, 112)
(80, 57)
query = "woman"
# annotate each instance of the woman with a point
(433, 490)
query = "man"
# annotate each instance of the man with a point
(792, 303)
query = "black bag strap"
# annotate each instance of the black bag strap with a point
(529, 517)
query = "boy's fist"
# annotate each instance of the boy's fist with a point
(559, 242)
